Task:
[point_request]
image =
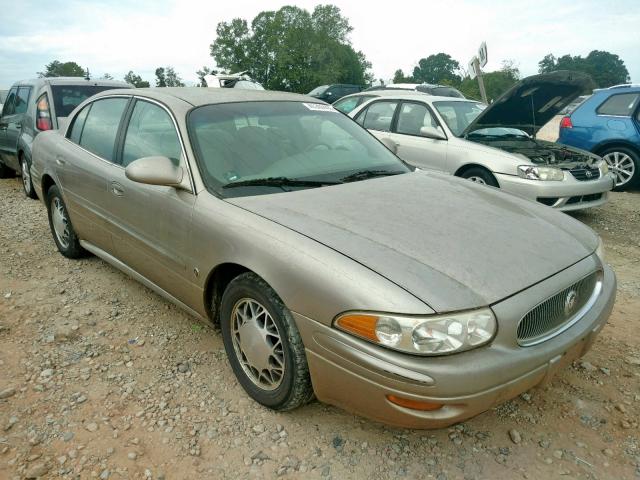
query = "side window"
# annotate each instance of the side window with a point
(623, 104)
(346, 105)
(22, 99)
(150, 133)
(78, 124)
(101, 126)
(378, 116)
(414, 116)
(10, 104)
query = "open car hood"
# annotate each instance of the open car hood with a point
(532, 102)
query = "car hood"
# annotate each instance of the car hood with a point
(451, 243)
(532, 102)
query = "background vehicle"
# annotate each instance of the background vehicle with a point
(234, 80)
(331, 93)
(247, 208)
(3, 96)
(608, 124)
(349, 102)
(428, 88)
(34, 106)
(494, 145)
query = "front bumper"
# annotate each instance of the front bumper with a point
(569, 194)
(357, 376)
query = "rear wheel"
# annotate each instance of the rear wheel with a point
(263, 344)
(63, 233)
(27, 184)
(480, 175)
(624, 163)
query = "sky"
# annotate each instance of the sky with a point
(117, 36)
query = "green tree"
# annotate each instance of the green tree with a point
(135, 80)
(400, 77)
(201, 73)
(438, 68)
(60, 69)
(291, 49)
(167, 77)
(161, 78)
(606, 68)
(106, 76)
(495, 83)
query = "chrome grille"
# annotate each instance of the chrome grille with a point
(558, 312)
(585, 173)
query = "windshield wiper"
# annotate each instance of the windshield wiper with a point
(278, 182)
(364, 174)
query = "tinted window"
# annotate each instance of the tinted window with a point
(414, 116)
(150, 133)
(68, 97)
(22, 99)
(623, 104)
(9, 105)
(243, 141)
(378, 116)
(78, 124)
(101, 126)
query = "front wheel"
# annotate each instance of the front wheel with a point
(263, 344)
(63, 233)
(625, 164)
(481, 176)
(27, 183)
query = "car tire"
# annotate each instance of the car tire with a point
(61, 228)
(27, 184)
(6, 172)
(625, 164)
(263, 344)
(480, 175)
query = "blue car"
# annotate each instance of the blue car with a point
(608, 124)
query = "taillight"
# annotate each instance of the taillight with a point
(43, 115)
(566, 122)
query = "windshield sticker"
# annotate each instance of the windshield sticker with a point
(319, 107)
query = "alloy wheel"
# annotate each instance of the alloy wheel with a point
(257, 343)
(26, 175)
(622, 165)
(477, 179)
(60, 222)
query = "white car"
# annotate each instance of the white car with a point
(494, 145)
(233, 80)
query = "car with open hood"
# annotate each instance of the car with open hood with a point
(495, 145)
(332, 267)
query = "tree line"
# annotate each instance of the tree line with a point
(296, 50)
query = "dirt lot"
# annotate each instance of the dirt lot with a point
(101, 378)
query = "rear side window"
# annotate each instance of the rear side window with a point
(22, 100)
(378, 116)
(150, 133)
(622, 105)
(101, 126)
(10, 104)
(67, 97)
(78, 124)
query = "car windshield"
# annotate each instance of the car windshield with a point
(318, 90)
(499, 132)
(458, 115)
(441, 91)
(268, 147)
(68, 97)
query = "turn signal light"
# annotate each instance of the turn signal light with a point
(414, 404)
(566, 122)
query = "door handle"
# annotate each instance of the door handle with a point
(117, 189)
(60, 160)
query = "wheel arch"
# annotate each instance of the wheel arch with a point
(606, 144)
(468, 166)
(47, 182)
(217, 281)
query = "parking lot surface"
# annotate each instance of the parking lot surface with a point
(102, 378)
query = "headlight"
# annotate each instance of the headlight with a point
(604, 168)
(427, 335)
(600, 250)
(531, 172)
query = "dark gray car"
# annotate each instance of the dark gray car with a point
(33, 106)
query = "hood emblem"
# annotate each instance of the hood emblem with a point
(570, 302)
(588, 174)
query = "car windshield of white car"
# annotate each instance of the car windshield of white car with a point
(498, 133)
(458, 115)
(269, 147)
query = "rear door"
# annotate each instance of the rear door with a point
(412, 147)
(13, 115)
(152, 222)
(86, 163)
(378, 117)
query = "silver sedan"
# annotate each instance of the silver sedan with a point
(332, 267)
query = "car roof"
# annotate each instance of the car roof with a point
(72, 81)
(197, 96)
(408, 95)
(383, 93)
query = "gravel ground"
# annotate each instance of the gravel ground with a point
(101, 378)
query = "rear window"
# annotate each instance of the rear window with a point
(68, 97)
(623, 104)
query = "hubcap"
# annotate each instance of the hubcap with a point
(257, 344)
(477, 179)
(26, 175)
(622, 165)
(60, 222)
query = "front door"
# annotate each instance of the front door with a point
(13, 114)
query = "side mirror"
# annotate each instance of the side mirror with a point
(432, 132)
(155, 171)
(390, 144)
